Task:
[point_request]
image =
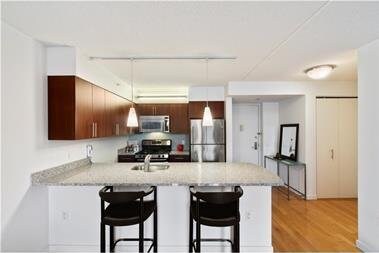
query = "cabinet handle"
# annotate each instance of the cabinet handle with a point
(93, 130)
(117, 129)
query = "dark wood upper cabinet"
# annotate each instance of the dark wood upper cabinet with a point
(98, 111)
(162, 109)
(78, 109)
(196, 109)
(179, 122)
(145, 109)
(153, 109)
(61, 107)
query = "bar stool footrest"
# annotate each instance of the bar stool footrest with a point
(211, 240)
(134, 240)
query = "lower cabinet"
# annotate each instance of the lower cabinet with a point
(179, 158)
(126, 159)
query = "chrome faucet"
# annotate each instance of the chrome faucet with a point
(147, 163)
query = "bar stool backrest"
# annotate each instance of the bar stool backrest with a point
(122, 197)
(219, 197)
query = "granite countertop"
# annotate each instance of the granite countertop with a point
(85, 173)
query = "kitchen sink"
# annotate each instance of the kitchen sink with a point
(152, 167)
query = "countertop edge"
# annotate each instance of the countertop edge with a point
(38, 177)
(56, 177)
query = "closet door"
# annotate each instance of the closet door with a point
(347, 148)
(327, 143)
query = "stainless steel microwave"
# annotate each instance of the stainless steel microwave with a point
(148, 124)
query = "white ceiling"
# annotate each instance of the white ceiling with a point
(272, 40)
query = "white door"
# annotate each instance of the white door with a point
(327, 141)
(336, 148)
(246, 137)
(348, 148)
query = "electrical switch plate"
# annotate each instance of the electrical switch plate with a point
(89, 151)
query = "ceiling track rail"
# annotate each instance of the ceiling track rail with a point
(129, 58)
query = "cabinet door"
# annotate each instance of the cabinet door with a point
(162, 109)
(327, 148)
(98, 110)
(196, 109)
(145, 109)
(83, 110)
(347, 147)
(179, 122)
(110, 113)
(124, 116)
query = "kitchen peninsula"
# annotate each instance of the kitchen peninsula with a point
(173, 195)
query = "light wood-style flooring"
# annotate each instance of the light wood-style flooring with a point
(313, 225)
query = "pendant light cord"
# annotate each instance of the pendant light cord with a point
(206, 61)
(131, 79)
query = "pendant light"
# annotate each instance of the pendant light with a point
(132, 116)
(207, 116)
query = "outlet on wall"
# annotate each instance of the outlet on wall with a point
(89, 149)
(248, 215)
(65, 215)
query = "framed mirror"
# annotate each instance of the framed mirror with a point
(289, 135)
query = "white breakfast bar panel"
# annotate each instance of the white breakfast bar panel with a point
(74, 228)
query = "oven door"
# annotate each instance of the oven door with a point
(148, 124)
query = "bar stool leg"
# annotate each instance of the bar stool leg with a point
(197, 248)
(102, 237)
(236, 237)
(140, 247)
(190, 248)
(155, 230)
(111, 239)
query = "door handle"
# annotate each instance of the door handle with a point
(93, 129)
(255, 145)
(332, 154)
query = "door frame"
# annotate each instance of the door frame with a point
(260, 134)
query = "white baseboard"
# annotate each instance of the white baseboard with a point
(311, 197)
(365, 247)
(133, 248)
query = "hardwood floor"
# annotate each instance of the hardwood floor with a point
(313, 225)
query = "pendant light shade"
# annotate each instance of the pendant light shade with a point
(132, 116)
(207, 117)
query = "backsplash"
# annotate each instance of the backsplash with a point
(176, 138)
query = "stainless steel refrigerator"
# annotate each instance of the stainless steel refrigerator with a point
(208, 143)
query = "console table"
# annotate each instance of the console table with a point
(289, 164)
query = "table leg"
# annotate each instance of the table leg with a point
(305, 182)
(264, 161)
(288, 182)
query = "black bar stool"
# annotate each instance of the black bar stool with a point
(126, 209)
(215, 209)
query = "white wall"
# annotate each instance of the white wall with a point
(292, 111)
(368, 147)
(25, 148)
(64, 60)
(270, 127)
(204, 93)
(310, 90)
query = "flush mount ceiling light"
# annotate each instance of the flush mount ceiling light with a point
(320, 71)
(207, 116)
(132, 116)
